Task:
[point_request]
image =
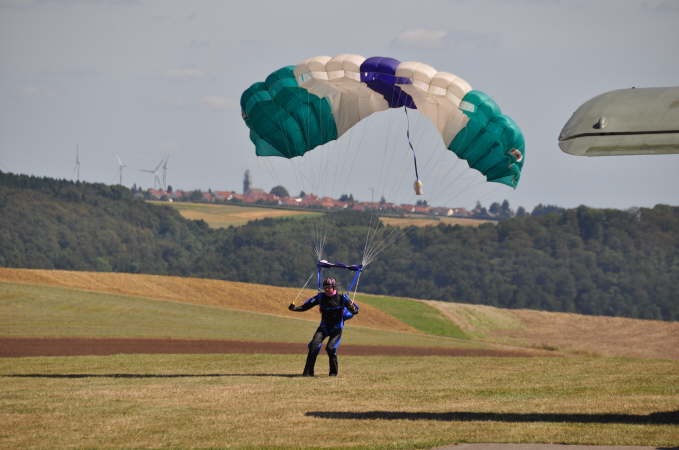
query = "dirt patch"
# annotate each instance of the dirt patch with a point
(19, 347)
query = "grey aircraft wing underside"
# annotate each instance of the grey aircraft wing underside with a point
(636, 121)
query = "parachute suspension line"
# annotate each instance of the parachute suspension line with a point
(469, 182)
(320, 239)
(302, 288)
(374, 244)
(374, 223)
(305, 181)
(389, 181)
(349, 168)
(309, 186)
(358, 277)
(367, 247)
(456, 175)
(388, 239)
(379, 237)
(393, 183)
(418, 183)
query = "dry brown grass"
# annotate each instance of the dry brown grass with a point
(247, 214)
(576, 333)
(224, 216)
(241, 296)
(377, 402)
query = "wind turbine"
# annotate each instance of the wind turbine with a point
(156, 177)
(167, 158)
(121, 166)
(76, 169)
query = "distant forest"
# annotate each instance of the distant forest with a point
(582, 260)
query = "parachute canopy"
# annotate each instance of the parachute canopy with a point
(298, 108)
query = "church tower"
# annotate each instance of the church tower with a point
(246, 182)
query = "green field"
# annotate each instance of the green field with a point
(59, 312)
(418, 315)
(258, 401)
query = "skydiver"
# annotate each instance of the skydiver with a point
(335, 309)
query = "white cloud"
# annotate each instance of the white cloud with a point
(421, 38)
(439, 39)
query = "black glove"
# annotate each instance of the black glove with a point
(291, 307)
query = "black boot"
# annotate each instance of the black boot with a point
(332, 358)
(310, 363)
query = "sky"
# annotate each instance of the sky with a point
(142, 80)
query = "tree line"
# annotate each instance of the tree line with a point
(582, 260)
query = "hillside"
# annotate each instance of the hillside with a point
(566, 332)
(233, 295)
(583, 260)
(533, 330)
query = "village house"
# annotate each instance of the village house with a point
(256, 195)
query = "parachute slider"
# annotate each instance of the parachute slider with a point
(357, 268)
(326, 264)
(418, 187)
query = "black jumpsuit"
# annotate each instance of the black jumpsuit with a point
(333, 312)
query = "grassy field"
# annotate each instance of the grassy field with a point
(419, 315)
(254, 401)
(258, 401)
(566, 333)
(224, 216)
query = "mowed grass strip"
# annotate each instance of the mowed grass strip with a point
(36, 311)
(256, 401)
(224, 216)
(418, 315)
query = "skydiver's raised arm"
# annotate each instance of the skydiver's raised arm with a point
(310, 303)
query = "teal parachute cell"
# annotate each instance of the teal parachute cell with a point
(285, 119)
(298, 108)
(487, 140)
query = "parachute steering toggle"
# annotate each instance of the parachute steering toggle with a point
(418, 183)
(418, 187)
